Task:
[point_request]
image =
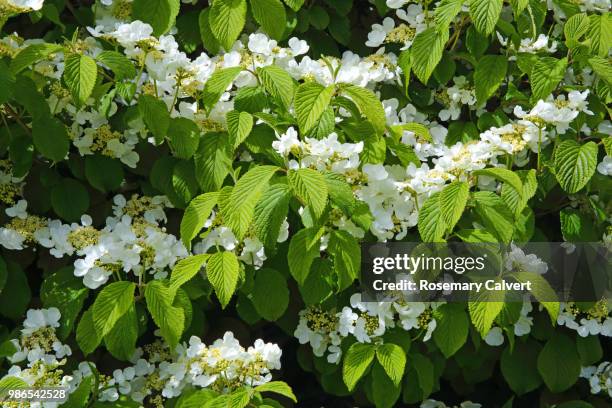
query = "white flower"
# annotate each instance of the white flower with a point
(494, 337)
(18, 210)
(287, 142)
(27, 4)
(39, 318)
(605, 167)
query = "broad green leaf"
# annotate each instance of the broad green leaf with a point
(218, 83)
(86, 336)
(208, 38)
(489, 74)
(222, 270)
(270, 282)
(513, 198)
(382, 391)
(295, 5)
(103, 173)
(446, 11)
(239, 125)
(31, 54)
(239, 212)
(277, 83)
(419, 379)
(357, 360)
(575, 27)
(121, 66)
(184, 137)
(170, 319)
(50, 138)
(66, 292)
(542, 291)
(196, 398)
(575, 164)
(160, 14)
(303, 249)
(213, 160)
(111, 303)
(185, 269)
(600, 33)
(427, 51)
(277, 387)
(559, 363)
(121, 339)
(590, 350)
(602, 67)
(519, 367)
(495, 215)
(270, 14)
(80, 396)
(196, 214)
(11, 383)
(503, 175)
(7, 80)
(546, 75)
(485, 14)
(69, 199)
(393, 359)
(310, 187)
(16, 294)
(270, 212)
(484, 308)
(155, 115)
(369, 105)
(442, 210)
(311, 100)
(80, 74)
(451, 329)
(346, 253)
(226, 20)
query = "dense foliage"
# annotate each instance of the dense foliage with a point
(175, 176)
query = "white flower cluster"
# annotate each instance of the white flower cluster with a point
(23, 6)
(595, 321)
(455, 97)
(599, 378)
(414, 20)
(222, 366)
(133, 240)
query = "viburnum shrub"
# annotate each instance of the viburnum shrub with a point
(176, 176)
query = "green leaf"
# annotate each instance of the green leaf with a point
(589, 349)
(239, 212)
(195, 398)
(112, 302)
(575, 164)
(495, 215)
(393, 359)
(50, 138)
(196, 214)
(485, 14)
(184, 136)
(160, 14)
(602, 67)
(346, 253)
(600, 33)
(575, 27)
(222, 270)
(503, 175)
(168, 318)
(227, 18)
(311, 100)
(489, 74)
(16, 294)
(484, 308)
(208, 38)
(542, 291)
(270, 212)
(546, 75)
(218, 83)
(118, 63)
(31, 54)
(267, 282)
(277, 387)
(10, 383)
(121, 339)
(66, 292)
(452, 328)
(303, 249)
(239, 125)
(155, 115)
(80, 74)
(357, 360)
(382, 391)
(515, 200)
(213, 161)
(79, 397)
(185, 269)
(369, 105)
(277, 83)
(270, 14)
(559, 363)
(446, 11)
(310, 187)
(69, 199)
(519, 367)
(103, 173)
(86, 336)
(442, 210)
